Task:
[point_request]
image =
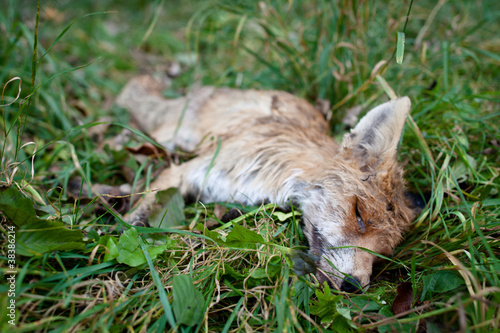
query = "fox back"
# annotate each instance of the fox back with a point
(271, 146)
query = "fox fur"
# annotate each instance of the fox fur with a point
(274, 147)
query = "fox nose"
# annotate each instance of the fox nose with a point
(351, 285)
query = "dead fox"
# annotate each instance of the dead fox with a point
(273, 147)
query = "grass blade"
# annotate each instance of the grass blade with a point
(400, 47)
(159, 286)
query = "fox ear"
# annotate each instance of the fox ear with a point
(375, 138)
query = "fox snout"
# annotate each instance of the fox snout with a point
(344, 269)
(349, 284)
(347, 268)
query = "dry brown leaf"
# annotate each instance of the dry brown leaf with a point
(211, 223)
(149, 150)
(219, 211)
(404, 298)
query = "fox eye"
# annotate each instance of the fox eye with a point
(360, 222)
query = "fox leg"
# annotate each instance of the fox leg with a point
(139, 214)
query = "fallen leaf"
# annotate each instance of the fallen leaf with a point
(219, 211)
(404, 298)
(150, 150)
(211, 223)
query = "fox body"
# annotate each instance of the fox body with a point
(272, 146)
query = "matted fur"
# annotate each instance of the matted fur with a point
(275, 148)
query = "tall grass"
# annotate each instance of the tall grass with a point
(73, 58)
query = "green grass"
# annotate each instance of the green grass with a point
(85, 53)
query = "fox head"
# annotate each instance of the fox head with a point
(359, 206)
